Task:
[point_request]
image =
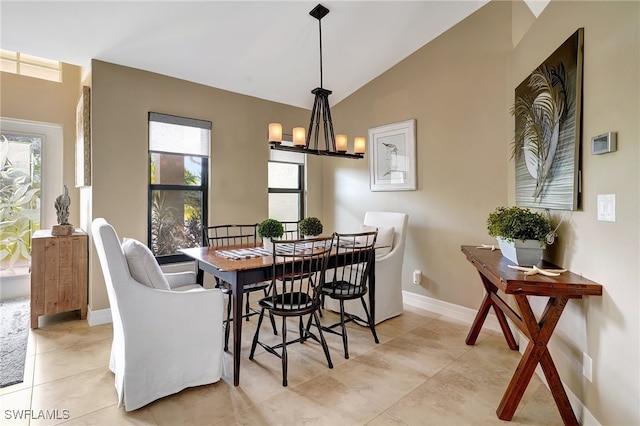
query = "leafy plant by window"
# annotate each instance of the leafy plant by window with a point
(167, 231)
(517, 223)
(270, 228)
(310, 226)
(19, 210)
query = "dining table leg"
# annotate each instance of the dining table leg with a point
(199, 273)
(236, 299)
(372, 291)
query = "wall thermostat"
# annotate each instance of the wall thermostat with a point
(604, 143)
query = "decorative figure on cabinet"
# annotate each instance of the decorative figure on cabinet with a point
(63, 201)
(62, 207)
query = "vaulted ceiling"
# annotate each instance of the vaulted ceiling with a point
(265, 49)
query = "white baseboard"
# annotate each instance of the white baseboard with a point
(449, 310)
(98, 317)
(467, 315)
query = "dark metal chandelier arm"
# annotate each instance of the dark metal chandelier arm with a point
(320, 33)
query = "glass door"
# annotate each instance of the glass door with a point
(20, 198)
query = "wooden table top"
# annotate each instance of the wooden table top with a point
(495, 267)
(211, 256)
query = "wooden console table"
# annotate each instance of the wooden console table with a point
(496, 275)
(59, 274)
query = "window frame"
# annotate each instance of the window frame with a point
(300, 190)
(19, 59)
(203, 188)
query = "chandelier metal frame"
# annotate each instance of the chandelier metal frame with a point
(320, 121)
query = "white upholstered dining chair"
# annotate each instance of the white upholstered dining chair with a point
(167, 330)
(392, 234)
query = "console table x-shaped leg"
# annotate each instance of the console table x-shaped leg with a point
(539, 333)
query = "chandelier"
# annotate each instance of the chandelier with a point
(307, 142)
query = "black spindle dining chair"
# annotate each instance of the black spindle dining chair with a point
(224, 236)
(299, 268)
(357, 252)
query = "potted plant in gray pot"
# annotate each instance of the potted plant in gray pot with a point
(268, 229)
(310, 227)
(521, 233)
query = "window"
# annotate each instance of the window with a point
(178, 184)
(20, 174)
(31, 66)
(286, 186)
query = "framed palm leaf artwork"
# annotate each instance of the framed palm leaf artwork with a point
(546, 146)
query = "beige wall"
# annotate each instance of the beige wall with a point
(34, 99)
(455, 88)
(122, 98)
(606, 328)
(459, 88)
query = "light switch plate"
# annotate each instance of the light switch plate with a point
(607, 207)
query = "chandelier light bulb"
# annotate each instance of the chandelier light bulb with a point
(341, 143)
(359, 144)
(275, 133)
(299, 136)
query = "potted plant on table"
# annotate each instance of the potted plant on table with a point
(268, 229)
(521, 233)
(310, 227)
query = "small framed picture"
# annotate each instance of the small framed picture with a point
(392, 163)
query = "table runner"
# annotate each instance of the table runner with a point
(251, 252)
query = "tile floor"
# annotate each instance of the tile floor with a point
(421, 373)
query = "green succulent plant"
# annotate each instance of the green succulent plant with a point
(517, 223)
(270, 228)
(310, 226)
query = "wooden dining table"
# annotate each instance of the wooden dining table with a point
(239, 272)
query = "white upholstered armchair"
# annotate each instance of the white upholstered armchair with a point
(167, 330)
(392, 233)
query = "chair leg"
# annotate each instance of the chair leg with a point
(301, 330)
(284, 351)
(273, 324)
(227, 327)
(308, 327)
(247, 308)
(256, 335)
(370, 321)
(324, 342)
(345, 343)
(273, 321)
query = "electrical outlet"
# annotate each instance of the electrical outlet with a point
(417, 276)
(587, 365)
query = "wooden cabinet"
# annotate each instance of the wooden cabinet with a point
(59, 271)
